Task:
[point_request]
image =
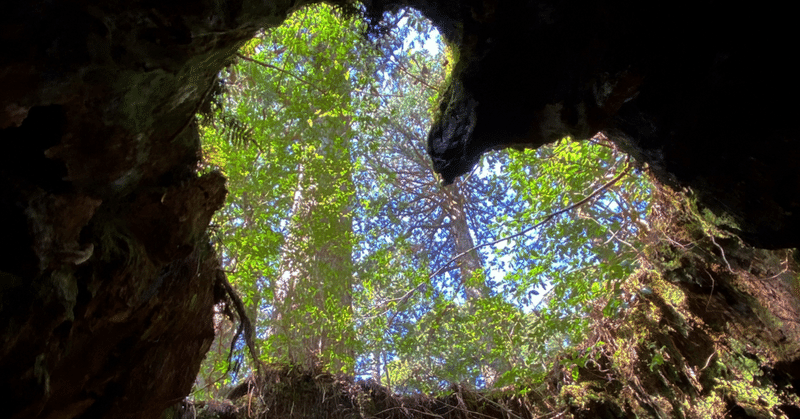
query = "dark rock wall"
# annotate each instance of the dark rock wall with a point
(107, 280)
(702, 92)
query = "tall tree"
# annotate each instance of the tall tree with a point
(283, 138)
(571, 215)
(312, 295)
(409, 207)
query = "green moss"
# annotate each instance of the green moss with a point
(671, 293)
(711, 220)
(711, 406)
(578, 394)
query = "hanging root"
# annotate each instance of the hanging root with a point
(245, 327)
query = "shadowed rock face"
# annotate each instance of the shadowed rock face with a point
(703, 94)
(107, 280)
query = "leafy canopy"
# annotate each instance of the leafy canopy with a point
(314, 98)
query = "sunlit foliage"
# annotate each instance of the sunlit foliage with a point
(316, 110)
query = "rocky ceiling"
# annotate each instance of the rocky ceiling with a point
(701, 92)
(107, 280)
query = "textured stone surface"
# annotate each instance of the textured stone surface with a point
(703, 94)
(107, 280)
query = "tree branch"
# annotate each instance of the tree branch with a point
(288, 73)
(401, 300)
(537, 225)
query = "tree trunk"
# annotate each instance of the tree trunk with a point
(312, 300)
(470, 264)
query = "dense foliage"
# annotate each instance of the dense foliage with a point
(350, 254)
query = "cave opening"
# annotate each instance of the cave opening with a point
(335, 214)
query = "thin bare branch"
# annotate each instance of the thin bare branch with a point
(549, 217)
(288, 73)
